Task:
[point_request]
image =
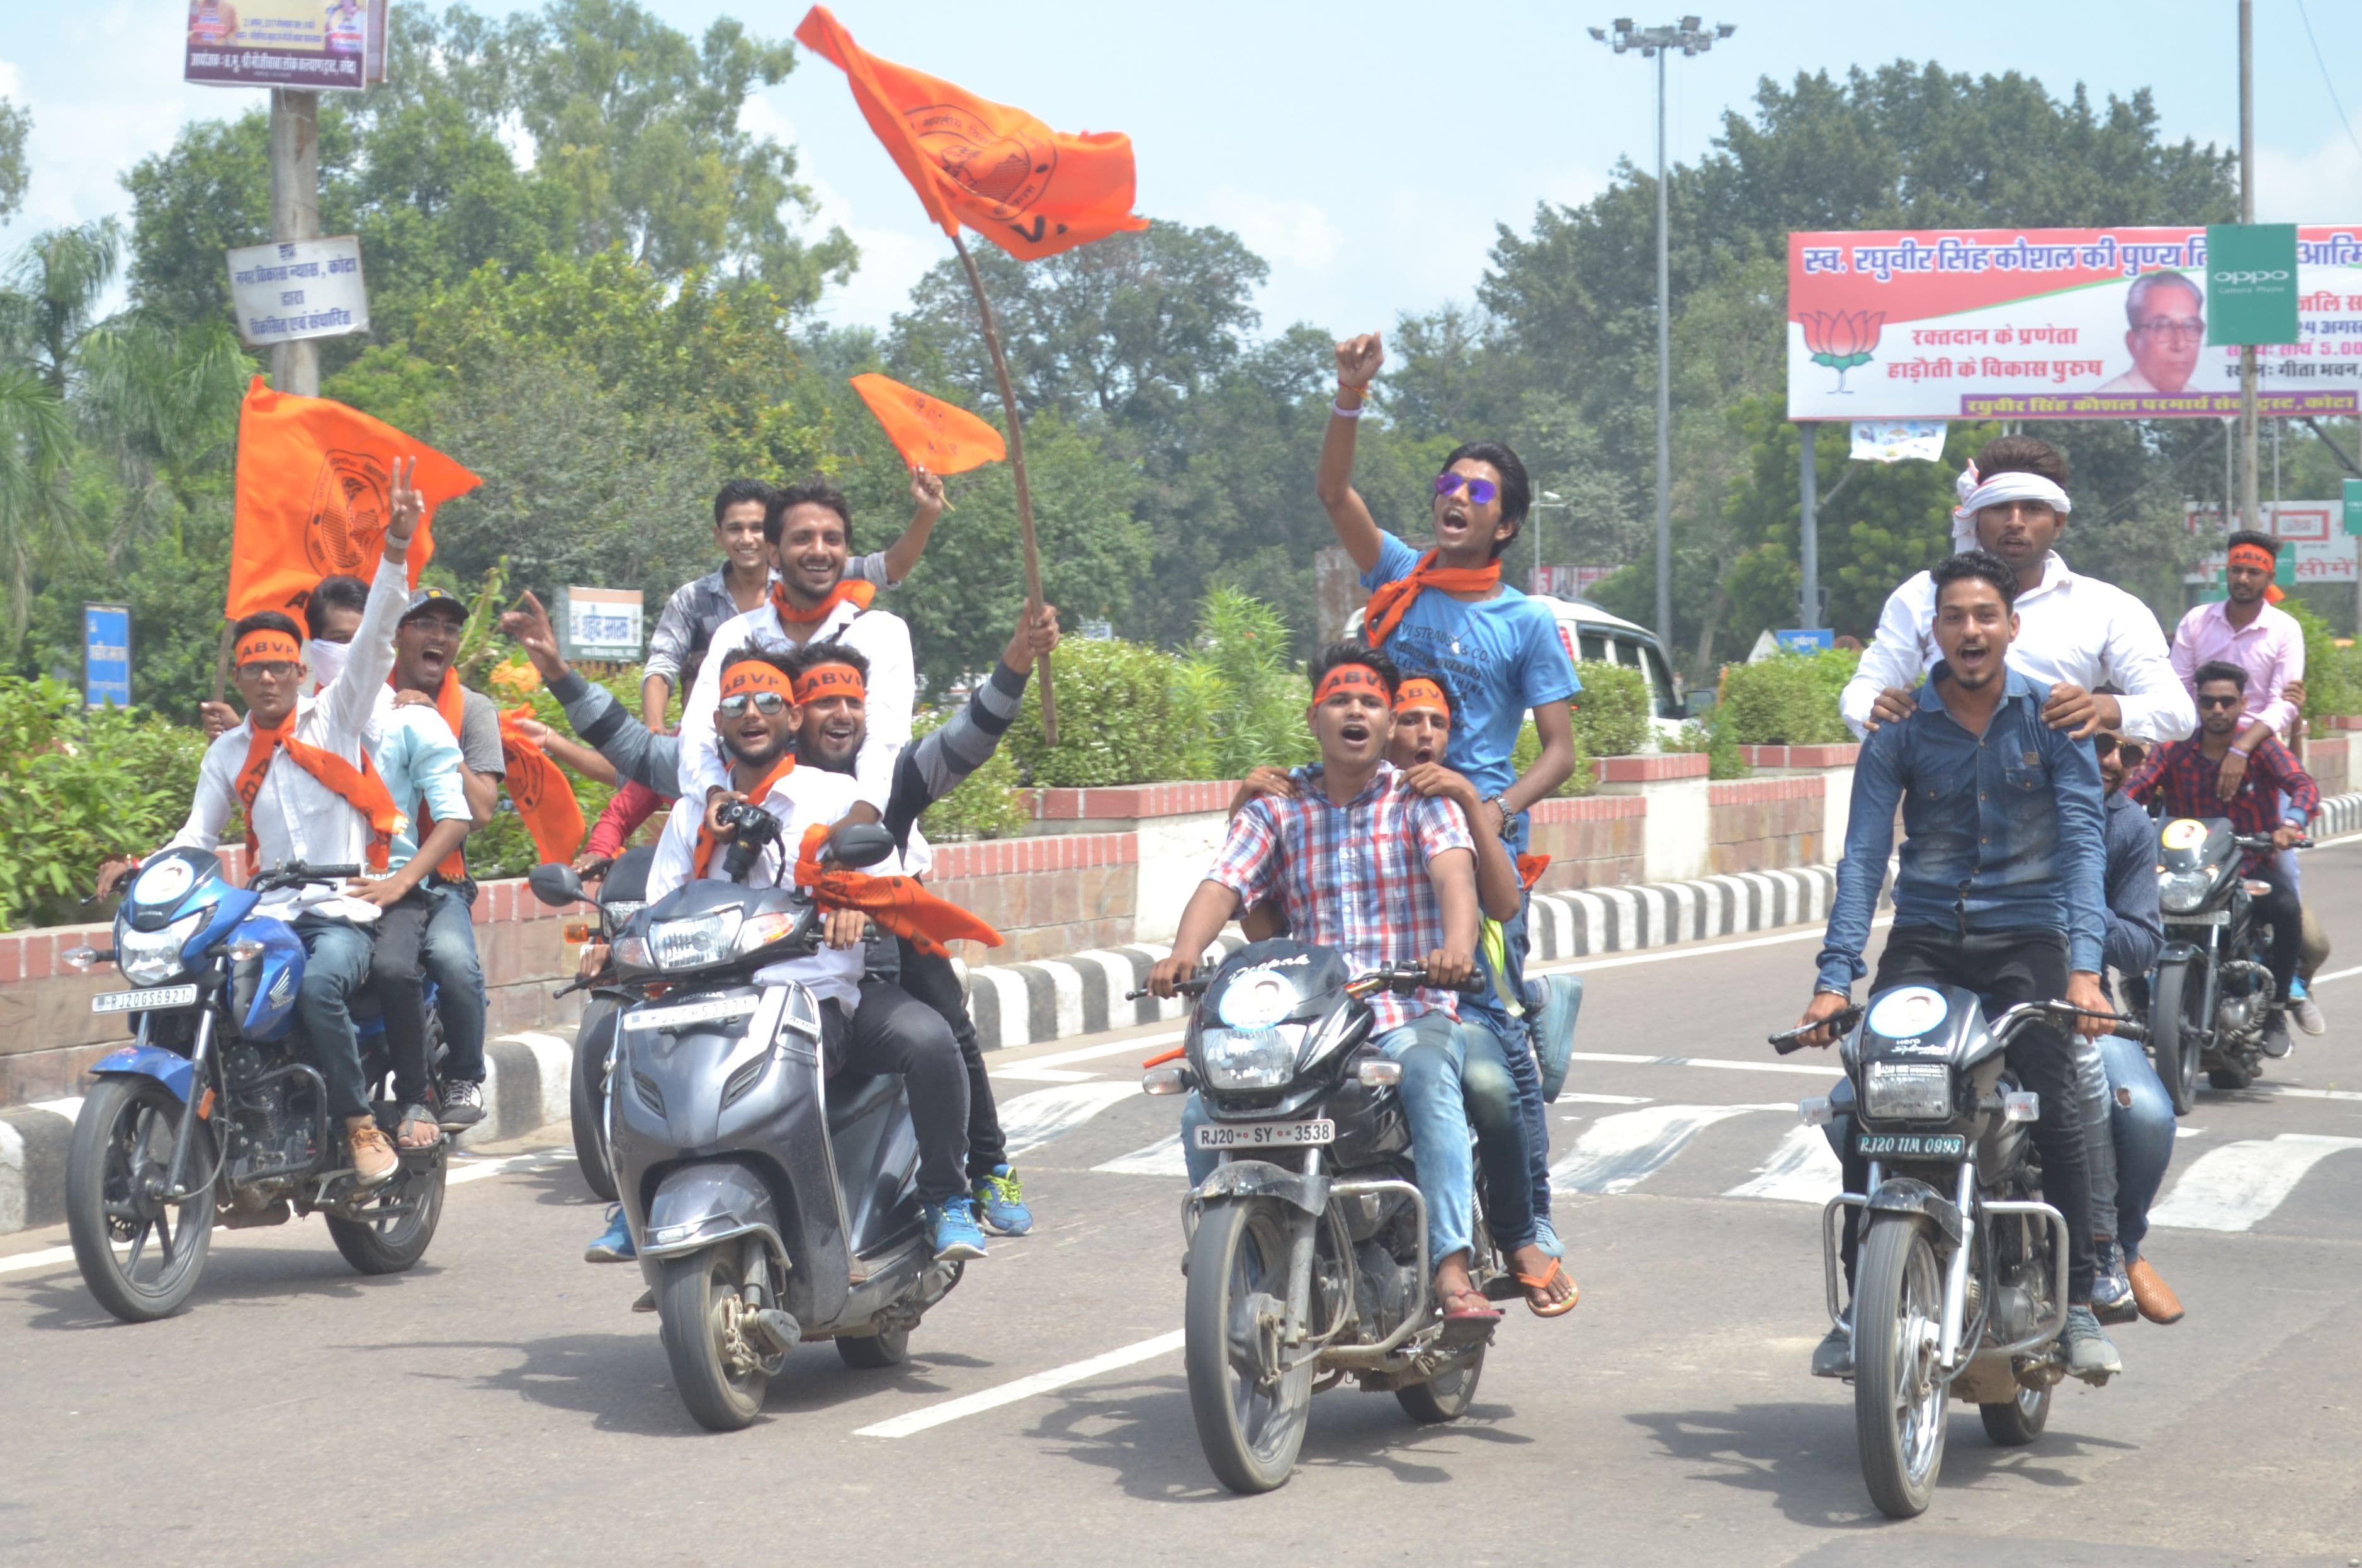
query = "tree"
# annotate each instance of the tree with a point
(15, 170)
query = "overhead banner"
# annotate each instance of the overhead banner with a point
(312, 44)
(2053, 324)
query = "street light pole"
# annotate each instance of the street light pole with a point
(2250, 514)
(1691, 38)
(1547, 500)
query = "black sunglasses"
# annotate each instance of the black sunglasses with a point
(766, 703)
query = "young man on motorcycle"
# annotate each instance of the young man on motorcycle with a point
(299, 768)
(870, 1027)
(1359, 862)
(2274, 798)
(1999, 891)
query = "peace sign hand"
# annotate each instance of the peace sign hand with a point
(408, 509)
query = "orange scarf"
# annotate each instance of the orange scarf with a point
(1391, 601)
(1530, 869)
(358, 788)
(898, 904)
(846, 592)
(542, 795)
(706, 841)
(451, 702)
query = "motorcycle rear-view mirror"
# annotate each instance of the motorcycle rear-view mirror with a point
(556, 883)
(860, 844)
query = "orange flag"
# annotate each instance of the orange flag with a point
(313, 482)
(940, 437)
(1030, 190)
(542, 794)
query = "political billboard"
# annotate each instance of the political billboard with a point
(315, 45)
(2054, 323)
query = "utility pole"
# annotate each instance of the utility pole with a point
(1808, 531)
(295, 214)
(2250, 515)
(1691, 38)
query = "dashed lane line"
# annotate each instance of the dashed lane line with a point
(1048, 1381)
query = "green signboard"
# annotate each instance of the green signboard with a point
(2251, 283)
(2353, 506)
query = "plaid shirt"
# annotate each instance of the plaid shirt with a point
(2184, 776)
(1353, 876)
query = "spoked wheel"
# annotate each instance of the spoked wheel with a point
(1250, 1415)
(1898, 1400)
(718, 1369)
(2176, 1035)
(139, 1255)
(2014, 1423)
(875, 1352)
(1445, 1397)
(399, 1220)
(594, 1045)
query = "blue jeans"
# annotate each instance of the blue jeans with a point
(448, 953)
(2142, 1119)
(1489, 1087)
(1428, 1047)
(336, 965)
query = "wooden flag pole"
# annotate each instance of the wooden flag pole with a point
(1024, 492)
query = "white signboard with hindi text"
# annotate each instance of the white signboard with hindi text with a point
(298, 288)
(601, 622)
(2314, 545)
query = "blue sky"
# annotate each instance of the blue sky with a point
(1366, 151)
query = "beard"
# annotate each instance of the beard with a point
(772, 749)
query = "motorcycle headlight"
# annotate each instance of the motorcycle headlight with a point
(1907, 1091)
(2181, 891)
(1250, 1058)
(152, 957)
(694, 943)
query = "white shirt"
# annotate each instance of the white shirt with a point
(805, 797)
(2073, 630)
(295, 816)
(892, 690)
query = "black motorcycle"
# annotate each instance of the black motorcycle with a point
(1308, 1245)
(769, 1203)
(1961, 1279)
(2211, 994)
(623, 893)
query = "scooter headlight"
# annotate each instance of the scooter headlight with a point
(2179, 892)
(1250, 1058)
(152, 957)
(1907, 1091)
(695, 944)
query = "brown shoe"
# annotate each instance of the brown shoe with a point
(2155, 1298)
(374, 1160)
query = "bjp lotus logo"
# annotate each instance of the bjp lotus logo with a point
(1841, 338)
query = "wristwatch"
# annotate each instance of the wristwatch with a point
(1508, 816)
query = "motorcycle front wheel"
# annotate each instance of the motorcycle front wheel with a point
(2176, 1035)
(1250, 1416)
(594, 1042)
(1898, 1400)
(139, 1255)
(718, 1374)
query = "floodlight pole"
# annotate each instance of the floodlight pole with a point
(2250, 513)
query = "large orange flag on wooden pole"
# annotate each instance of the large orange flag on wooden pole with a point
(1030, 190)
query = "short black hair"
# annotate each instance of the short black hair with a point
(749, 654)
(1517, 490)
(2023, 455)
(264, 621)
(1981, 564)
(2220, 669)
(813, 491)
(337, 592)
(797, 660)
(1368, 657)
(2263, 542)
(738, 492)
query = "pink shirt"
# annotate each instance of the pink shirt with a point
(2270, 648)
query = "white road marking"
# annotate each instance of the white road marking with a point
(1052, 1067)
(1023, 1389)
(2333, 975)
(1162, 1158)
(1801, 1169)
(1702, 950)
(2232, 1187)
(1570, 1098)
(1033, 1120)
(477, 1170)
(48, 1257)
(1829, 1071)
(1620, 1151)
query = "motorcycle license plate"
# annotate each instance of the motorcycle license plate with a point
(690, 1013)
(150, 1001)
(1266, 1134)
(2211, 917)
(1911, 1145)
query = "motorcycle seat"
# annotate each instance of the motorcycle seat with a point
(851, 1096)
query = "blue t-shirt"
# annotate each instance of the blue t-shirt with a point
(1497, 656)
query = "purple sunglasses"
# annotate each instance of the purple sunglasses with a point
(1480, 492)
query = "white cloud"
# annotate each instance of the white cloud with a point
(2321, 186)
(1280, 229)
(892, 259)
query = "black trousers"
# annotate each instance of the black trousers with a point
(892, 1032)
(398, 979)
(2282, 908)
(934, 982)
(2003, 968)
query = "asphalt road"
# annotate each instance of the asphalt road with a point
(502, 1403)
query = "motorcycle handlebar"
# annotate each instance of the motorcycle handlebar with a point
(2263, 841)
(1789, 1041)
(295, 874)
(1193, 986)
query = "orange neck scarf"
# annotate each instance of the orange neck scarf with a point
(358, 788)
(898, 904)
(707, 843)
(1389, 603)
(846, 592)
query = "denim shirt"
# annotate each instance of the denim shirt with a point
(2000, 832)
(2135, 927)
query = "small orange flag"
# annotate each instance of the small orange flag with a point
(313, 482)
(1030, 190)
(930, 433)
(544, 796)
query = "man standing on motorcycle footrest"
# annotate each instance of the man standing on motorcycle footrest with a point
(1359, 862)
(1998, 892)
(2186, 775)
(871, 1029)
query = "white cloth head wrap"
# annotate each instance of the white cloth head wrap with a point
(1977, 494)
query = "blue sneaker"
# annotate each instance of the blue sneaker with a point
(2112, 1292)
(1553, 1024)
(1000, 1198)
(615, 1244)
(952, 1227)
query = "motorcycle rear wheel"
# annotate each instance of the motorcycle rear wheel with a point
(139, 1255)
(1445, 1397)
(393, 1244)
(587, 1096)
(2230, 1077)
(1251, 1427)
(2014, 1423)
(722, 1394)
(2176, 1038)
(875, 1352)
(1898, 1400)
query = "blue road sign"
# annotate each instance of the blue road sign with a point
(107, 654)
(1805, 642)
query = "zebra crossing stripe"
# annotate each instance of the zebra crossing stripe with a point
(1033, 1120)
(1162, 1158)
(1802, 1168)
(2232, 1187)
(1618, 1152)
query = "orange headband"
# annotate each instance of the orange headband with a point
(829, 681)
(1348, 678)
(753, 675)
(265, 643)
(1419, 691)
(2253, 556)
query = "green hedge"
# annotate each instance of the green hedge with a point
(2333, 674)
(1611, 711)
(1789, 700)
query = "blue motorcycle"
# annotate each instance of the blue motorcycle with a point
(212, 1115)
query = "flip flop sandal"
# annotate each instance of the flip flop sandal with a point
(1469, 1324)
(1543, 1282)
(413, 1116)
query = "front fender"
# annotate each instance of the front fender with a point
(698, 1205)
(1908, 1195)
(1260, 1178)
(174, 1071)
